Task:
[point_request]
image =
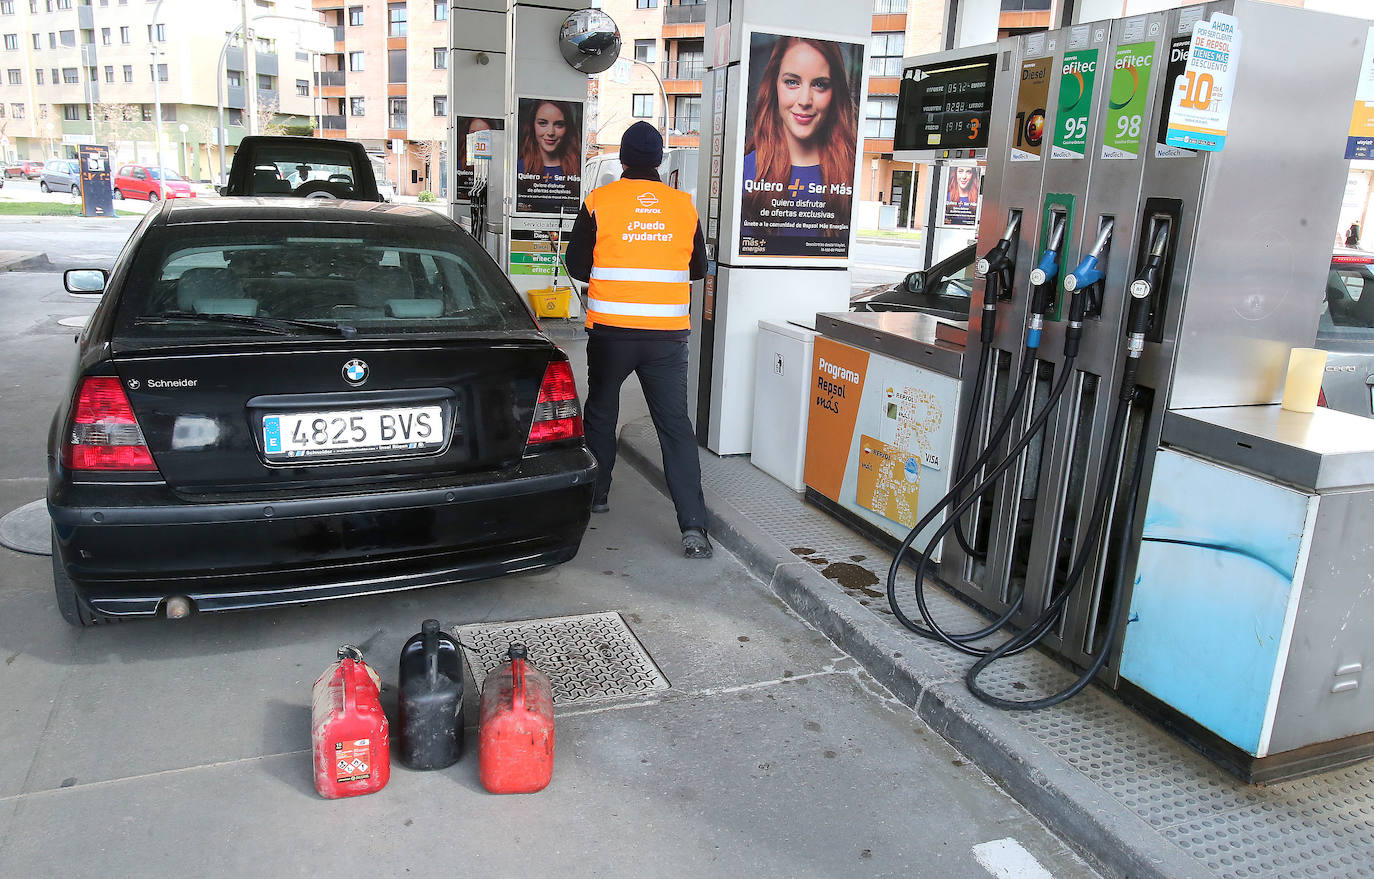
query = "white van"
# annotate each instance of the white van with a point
(679, 170)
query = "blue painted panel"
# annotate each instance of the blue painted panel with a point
(1217, 563)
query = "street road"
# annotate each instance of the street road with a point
(159, 749)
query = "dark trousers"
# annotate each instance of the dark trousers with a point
(662, 369)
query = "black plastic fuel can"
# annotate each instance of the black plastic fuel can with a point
(430, 716)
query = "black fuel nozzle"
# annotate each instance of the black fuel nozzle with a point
(997, 267)
(1081, 282)
(1044, 280)
(1143, 295)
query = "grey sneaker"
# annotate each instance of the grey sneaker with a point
(601, 506)
(695, 544)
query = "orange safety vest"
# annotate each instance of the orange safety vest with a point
(640, 266)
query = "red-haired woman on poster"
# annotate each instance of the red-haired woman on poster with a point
(804, 136)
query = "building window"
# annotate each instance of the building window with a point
(646, 4)
(236, 118)
(16, 111)
(355, 62)
(128, 73)
(397, 112)
(87, 36)
(691, 61)
(38, 75)
(56, 76)
(646, 50)
(355, 16)
(6, 7)
(234, 78)
(161, 72)
(92, 75)
(71, 112)
(395, 65)
(267, 82)
(161, 33)
(105, 37)
(642, 106)
(440, 12)
(441, 105)
(37, 42)
(124, 35)
(889, 7)
(441, 59)
(687, 114)
(266, 46)
(169, 112)
(396, 20)
(12, 42)
(15, 78)
(885, 54)
(357, 107)
(109, 73)
(880, 117)
(64, 4)
(2, 111)
(303, 88)
(69, 75)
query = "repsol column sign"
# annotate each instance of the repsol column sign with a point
(1126, 105)
(1030, 110)
(801, 138)
(1075, 105)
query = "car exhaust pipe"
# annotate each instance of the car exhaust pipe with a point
(178, 607)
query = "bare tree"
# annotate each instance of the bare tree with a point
(267, 120)
(119, 121)
(431, 153)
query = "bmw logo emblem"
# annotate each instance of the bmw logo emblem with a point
(355, 372)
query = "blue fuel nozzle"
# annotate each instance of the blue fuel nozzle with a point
(1084, 276)
(1047, 268)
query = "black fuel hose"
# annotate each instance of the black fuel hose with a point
(1045, 622)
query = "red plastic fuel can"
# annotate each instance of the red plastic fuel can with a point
(515, 727)
(348, 729)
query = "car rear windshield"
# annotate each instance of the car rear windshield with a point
(288, 170)
(1349, 311)
(210, 282)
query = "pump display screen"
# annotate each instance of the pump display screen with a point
(945, 106)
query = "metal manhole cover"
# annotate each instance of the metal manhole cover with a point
(587, 658)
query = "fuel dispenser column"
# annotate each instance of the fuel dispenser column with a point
(777, 189)
(477, 102)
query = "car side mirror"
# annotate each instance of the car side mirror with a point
(85, 281)
(916, 282)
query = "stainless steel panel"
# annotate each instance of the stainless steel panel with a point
(1273, 194)
(1320, 451)
(910, 338)
(1324, 693)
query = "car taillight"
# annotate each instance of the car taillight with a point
(557, 415)
(104, 434)
(1321, 398)
(1352, 260)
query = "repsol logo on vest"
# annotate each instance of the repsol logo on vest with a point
(1080, 67)
(1133, 61)
(839, 372)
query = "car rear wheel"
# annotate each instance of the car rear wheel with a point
(119, 195)
(43, 185)
(69, 603)
(152, 195)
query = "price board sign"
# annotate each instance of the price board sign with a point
(945, 106)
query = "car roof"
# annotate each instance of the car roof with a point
(310, 210)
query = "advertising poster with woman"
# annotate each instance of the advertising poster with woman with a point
(470, 125)
(548, 165)
(801, 140)
(960, 204)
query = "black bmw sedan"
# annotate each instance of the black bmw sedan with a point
(278, 401)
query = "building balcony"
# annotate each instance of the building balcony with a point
(690, 14)
(333, 123)
(396, 122)
(321, 5)
(686, 125)
(693, 70)
(331, 77)
(338, 33)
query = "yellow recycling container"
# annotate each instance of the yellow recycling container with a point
(550, 301)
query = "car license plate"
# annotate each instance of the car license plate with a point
(327, 434)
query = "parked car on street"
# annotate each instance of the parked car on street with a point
(142, 181)
(283, 400)
(25, 168)
(61, 175)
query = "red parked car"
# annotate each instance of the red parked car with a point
(25, 169)
(141, 181)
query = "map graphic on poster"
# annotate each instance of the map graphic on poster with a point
(1075, 105)
(1130, 89)
(889, 475)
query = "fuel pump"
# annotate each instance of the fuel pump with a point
(479, 148)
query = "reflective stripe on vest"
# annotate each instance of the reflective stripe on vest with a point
(640, 277)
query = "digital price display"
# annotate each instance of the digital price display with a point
(945, 106)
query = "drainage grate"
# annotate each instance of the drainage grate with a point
(588, 658)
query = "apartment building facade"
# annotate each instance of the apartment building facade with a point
(385, 84)
(83, 71)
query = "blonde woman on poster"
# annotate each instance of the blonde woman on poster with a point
(799, 155)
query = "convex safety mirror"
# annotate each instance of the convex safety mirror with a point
(84, 280)
(589, 40)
